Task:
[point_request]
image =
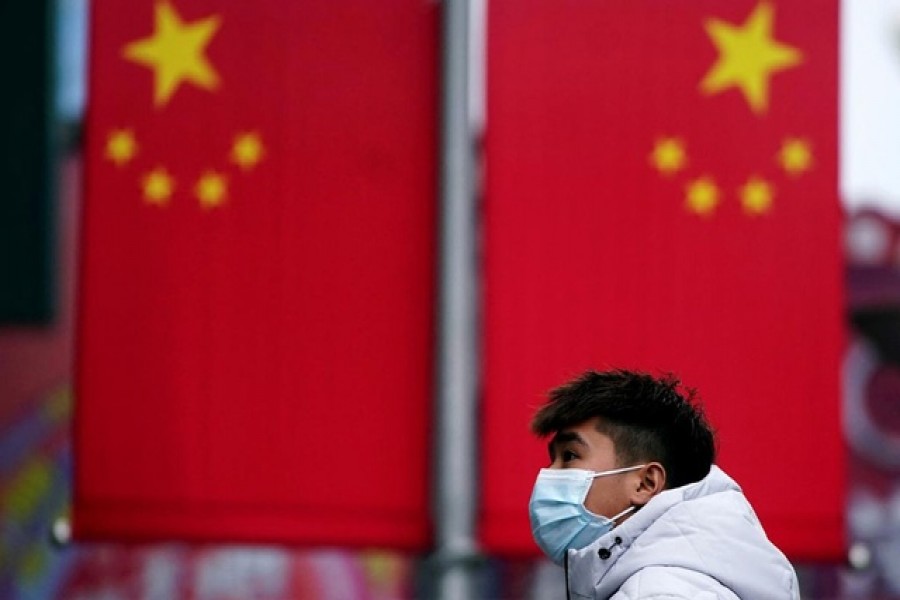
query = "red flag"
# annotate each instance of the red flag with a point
(254, 349)
(661, 194)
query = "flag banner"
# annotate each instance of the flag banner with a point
(661, 194)
(256, 285)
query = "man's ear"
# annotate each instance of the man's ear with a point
(651, 481)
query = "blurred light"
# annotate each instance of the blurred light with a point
(867, 239)
(859, 556)
(61, 533)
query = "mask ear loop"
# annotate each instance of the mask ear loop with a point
(617, 471)
(614, 472)
(622, 514)
(612, 519)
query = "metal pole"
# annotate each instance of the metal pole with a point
(456, 478)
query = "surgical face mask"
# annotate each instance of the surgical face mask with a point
(559, 519)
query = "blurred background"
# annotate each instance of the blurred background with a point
(37, 355)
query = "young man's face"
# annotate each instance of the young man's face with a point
(583, 447)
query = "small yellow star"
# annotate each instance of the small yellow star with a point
(121, 146)
(756, 196)
(175, 52)
(702, 196)
(795, 156)
(748, 57)
(668, 155)
(247, 150)
(158, 186)
(211, 189)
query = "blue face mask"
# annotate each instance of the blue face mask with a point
(559, 520)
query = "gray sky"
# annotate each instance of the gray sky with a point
(870, 104)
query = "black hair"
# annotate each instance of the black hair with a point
(647, 418)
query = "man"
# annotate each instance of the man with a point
(632, 504)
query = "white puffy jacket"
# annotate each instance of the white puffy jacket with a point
(700, 542)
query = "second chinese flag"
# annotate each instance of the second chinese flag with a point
(661, 194)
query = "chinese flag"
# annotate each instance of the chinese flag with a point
(661, 195)
(256, 304)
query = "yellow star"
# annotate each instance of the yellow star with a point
(211, 189)
(748, 56)
(158, 186)
(175, 52)
(702, 196)
(795, 156)
(756, 196)
(668, 155)
(247, 150)
(121, 146)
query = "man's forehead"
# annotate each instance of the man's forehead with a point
(583, 430)
(587, 433)
(568, 435)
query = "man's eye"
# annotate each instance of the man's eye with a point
(568, 455)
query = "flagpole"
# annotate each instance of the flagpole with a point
(455, 478)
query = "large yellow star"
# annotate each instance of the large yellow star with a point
(748, 56)
(175, 52)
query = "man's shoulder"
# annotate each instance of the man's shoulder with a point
(660, 582)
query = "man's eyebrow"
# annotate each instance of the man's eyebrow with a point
(563, 437)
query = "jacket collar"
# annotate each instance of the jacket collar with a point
(586, 567)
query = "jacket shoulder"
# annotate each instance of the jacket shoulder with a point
(672, 583)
